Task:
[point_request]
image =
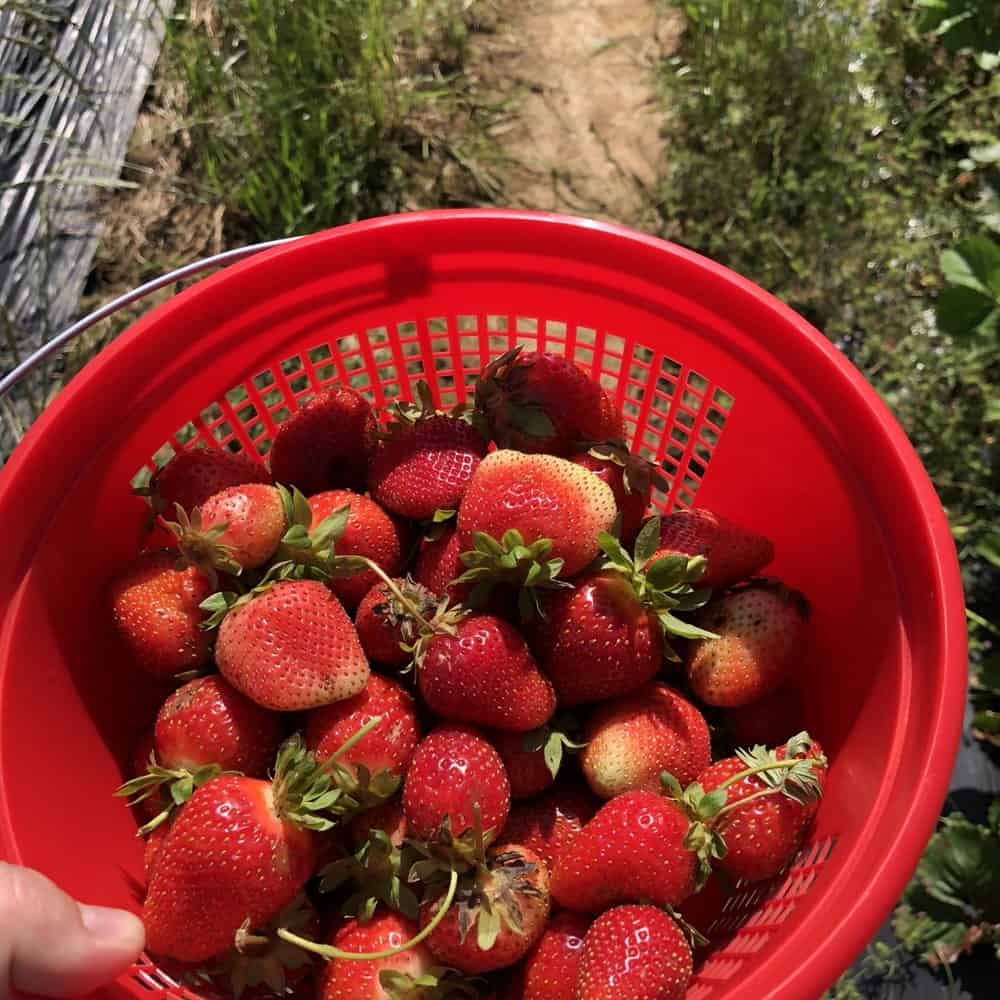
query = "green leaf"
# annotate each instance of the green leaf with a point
(488, 925)
(487, 543)
(647, 542)
(676, 626)
(331, 529)
(612, 548)
(553, 753)
(989, 548)
(667, 572)
(962, 311)
(981, 257)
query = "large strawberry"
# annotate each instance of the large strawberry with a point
(539, 402)
(377, 764)
(760, 635)
(325, 445)
(540, 497)
(456, 784)
(533, 759)
(424, 459)
(768, 806)
(202, 729)
(629, 742)
(636, 847)
(156, 609)
(634, 953)
(616, 621)
(497, 916)
(550, 823)
(289, 646)
(733, 553)
(385, 625)
(550, 971)
(192, 476)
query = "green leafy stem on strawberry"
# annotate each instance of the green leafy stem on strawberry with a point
(181, 784)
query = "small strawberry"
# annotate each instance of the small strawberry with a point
(550, 971)
(192, 476)
(325, 445)
(377, 764)
(156, 609)
(636, 847)
(539, 496)
(629, 742)
(202, 729)
(288, 645)
(537, 402)
(533, 759)
(760, 638)
(766, 720)
(768, 807)
(630, 477)
(457, 783)
(424, 459)
(550, 824)
(498, 914)
(634, 953)
(733, 553)
(616, 621)
(439, 563)
(385, 625)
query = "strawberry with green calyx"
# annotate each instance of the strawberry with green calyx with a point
(533, 759)
(181, 783)
(511, 563)
(630, 477)
(439, 562)
(549, 823)
(387, 818)
(386, 627)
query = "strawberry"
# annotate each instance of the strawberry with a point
(631, 740)
(439, 563)
(385, 626)
(156, 610)
(760, 638)
(532, 759)
(733, 553)
(480, 670)
(388, 818)
(549, 824)
(765, 720)
(634, 953)
(550, 971)
(630, 477)
(202, 729)
(456, 781)
(767, 808)
(497, 916)
(192, 476)
(702, 909)
(539, 496)
(154, 845)
(147, 806)
(424, 459)
(634, 848)
(289, 646)
(378, 763)
(325, 445)
(538, 402)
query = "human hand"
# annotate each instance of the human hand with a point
(52, 946)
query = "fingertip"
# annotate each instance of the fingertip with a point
(113, 929)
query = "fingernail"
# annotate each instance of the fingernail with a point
(110, 925)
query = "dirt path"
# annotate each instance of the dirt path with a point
(585, 129)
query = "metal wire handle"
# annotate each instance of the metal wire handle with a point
(109, 309)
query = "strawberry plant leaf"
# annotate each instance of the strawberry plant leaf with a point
(613, 549)
(553, 753)
(647, 542)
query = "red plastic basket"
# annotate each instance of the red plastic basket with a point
(749, 410)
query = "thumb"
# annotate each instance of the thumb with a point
(52, 946)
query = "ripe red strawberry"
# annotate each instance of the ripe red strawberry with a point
(326, 444)
(155, 840)
(539, 496)
(438, 563)
(424, 461)
(629, 742)
(702, 909)
(156, 610)
(388, 747)
(480, 670)
(549, 824)
(291, 647)
(763, 835)
(532, 759)
(760, 637)
(766, 721)
(384, 624)
(537, 402)
(634, 848)
(147, 807)
(634, 953)
(192, 476)
(497, 917)
(369, 532)
(733, 553)
(455, 773)
(550, 971)
(387, 817)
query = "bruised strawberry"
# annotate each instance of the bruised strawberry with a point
(156, 609)
(634, 953)
(733, 553)
(538, 402)
(325, 445)
(760, 635)
(384, 624)
(192, 476)
(550, 823)
(550, 971)
(629, 742)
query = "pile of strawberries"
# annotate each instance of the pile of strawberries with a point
(441, 714)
